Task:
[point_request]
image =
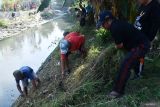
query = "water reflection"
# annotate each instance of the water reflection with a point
(30, 48)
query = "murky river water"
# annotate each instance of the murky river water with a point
(30, 48)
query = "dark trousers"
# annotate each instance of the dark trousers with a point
(82, 21)
(129, 61)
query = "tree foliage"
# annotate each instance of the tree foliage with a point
(44, 4)
(123, 9)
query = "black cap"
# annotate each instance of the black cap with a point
(102, 16)
(66, 33)
(18, 75)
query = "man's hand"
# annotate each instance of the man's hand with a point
(19, 88)
(119, 46)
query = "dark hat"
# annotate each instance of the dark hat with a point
(103, 16)
(66, 33)
(18, 75)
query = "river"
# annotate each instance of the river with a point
(29, 48)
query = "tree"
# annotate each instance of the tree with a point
(123, 9)
(44, 4)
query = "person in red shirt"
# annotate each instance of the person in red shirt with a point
(73, 41)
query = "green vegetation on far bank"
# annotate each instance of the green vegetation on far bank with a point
(3, 23)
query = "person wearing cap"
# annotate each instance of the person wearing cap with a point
(24, 74)
(147, 21)
(127, 37)
(73, 41)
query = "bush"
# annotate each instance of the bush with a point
(44, 4)
(103, 35)
(3, 23)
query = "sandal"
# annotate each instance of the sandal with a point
(114, 95)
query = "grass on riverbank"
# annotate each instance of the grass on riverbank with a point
(88, 88)
(3, 23)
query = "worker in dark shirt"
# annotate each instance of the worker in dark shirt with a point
(83, 15)
(147, 21)
(126, 37)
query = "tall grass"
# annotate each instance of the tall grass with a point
(86, 87)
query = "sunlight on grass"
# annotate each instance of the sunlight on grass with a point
(79, 71)
(93, 52)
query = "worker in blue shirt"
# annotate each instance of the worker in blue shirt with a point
(24, 74)
(127, 37)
